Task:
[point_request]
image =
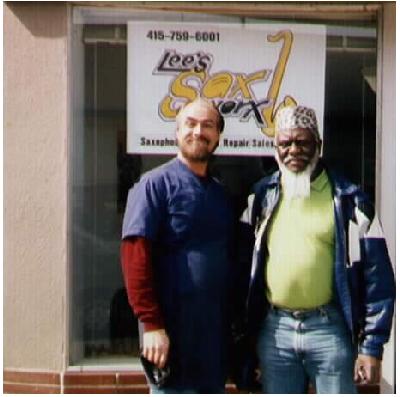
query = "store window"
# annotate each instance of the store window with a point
(103, 329)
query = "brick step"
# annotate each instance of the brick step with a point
(96, 382)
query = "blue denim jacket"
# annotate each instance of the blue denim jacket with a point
(364, 286)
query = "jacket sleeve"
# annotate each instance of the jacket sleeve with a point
(378, 277)
(138, 275)
(243, 359)
(244, 252)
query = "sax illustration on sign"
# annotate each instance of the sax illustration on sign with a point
(231, 91)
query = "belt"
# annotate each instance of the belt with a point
(301, 313)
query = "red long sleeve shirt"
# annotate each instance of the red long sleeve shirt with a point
(139, 282)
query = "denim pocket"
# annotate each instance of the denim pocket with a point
(335, 318)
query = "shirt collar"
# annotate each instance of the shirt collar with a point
(320, 181)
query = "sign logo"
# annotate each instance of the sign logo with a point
(248, 71)
(231, 92)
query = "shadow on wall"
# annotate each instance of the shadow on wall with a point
(42, 19)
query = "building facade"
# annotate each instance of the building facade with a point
(68, 163)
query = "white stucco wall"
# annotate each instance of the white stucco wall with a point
(35, 184)
(386, 161)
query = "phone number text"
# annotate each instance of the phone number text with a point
(182, 35)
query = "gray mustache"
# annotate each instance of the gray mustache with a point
(288, 159)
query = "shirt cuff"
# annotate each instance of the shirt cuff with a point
(153, 326)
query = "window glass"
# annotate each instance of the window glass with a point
(103, 329)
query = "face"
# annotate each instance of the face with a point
(197, 131)
(296, 148)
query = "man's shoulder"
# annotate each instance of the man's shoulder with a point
(347, 190)
(342, 184)
(158, 175)
(269, 181)
(154, 181)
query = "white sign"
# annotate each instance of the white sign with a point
(249, 71)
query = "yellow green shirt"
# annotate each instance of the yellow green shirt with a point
(300, 240)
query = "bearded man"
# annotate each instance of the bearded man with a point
(174, 256)
(321, 287)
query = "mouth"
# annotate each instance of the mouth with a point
(197, 140)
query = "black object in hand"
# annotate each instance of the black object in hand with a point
(157, 376)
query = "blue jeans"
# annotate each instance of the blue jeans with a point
(170, 390)
(296, 348)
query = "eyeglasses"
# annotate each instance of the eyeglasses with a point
(300, 143)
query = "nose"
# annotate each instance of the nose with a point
(197, 129)
(294, 147)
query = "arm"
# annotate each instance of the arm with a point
(139, 282)
(243, 259)
(379, 295)
(243, 360)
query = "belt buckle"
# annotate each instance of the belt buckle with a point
(298, 313)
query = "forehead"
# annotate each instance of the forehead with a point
(199, 111)
(295, 133)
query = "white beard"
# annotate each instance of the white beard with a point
(297, 185)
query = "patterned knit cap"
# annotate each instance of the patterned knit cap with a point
(296, 117)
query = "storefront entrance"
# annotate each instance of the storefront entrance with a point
(103, 326)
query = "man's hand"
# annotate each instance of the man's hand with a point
(156, 347)
(367, 369)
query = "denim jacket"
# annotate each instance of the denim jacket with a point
(364, 285)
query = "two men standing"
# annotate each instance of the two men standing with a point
(320, 285)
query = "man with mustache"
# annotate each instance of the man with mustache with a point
(174, 256)
(321, 287)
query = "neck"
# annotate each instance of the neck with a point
(199, 168)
